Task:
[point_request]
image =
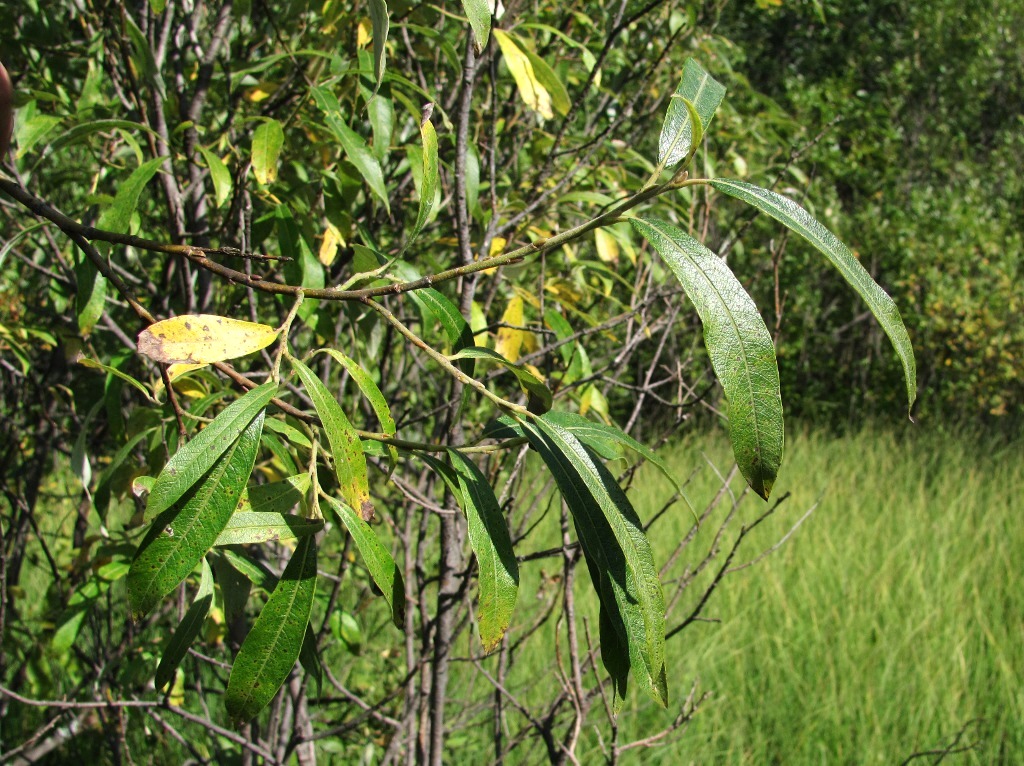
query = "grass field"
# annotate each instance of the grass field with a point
(889, 625)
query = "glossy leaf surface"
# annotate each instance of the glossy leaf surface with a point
(740, 348)
(613, 539)
(187, 629)
(270, 649)
(181, 535)
(490, 540)
(678, 133)
(795, 218)
(193, 460)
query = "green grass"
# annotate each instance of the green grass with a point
(891, 621)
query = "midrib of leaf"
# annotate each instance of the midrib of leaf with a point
(624, 540)
(205, 491)
(280, 623)
(679, 134)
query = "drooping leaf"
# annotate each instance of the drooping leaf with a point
(428, 187)
(247, 527)
(219, 175)
(612, 537)
(740, 348)
(372, 393)
(380, 21)
(94, 365)
(479, 14)
(539, 394)
(346, 450)
(548, 80)
(118, 216)
(190, 463)
(187, 629)
(490, 540)
(352, 143)
(531, 85)
(678, 133)
(795, 218)
(598, 435)
(309, 658)
(203, 339)
(377, 559)
(269, 651)
(510, 334)
(267, 141)
(181, 535)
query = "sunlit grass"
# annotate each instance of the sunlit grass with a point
(890, 622)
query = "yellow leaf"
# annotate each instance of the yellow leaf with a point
(329, 248)
(497, 245)
(363, 33)
(203, 339)
(607, 247)
(534, 94)
(510, 339)
(175, 371)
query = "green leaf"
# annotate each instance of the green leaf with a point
(245, 527)
(90, 293)
(187, 630)
(94, 365)
(33, 130)
(490, 540)
(309, 658)
(613, 539)
(372, 393)
(181, 535)
(277, 496)
(379, 19)
(381, 112)
(679, 134)
(346, 450)
(479, 14)
(546, 76)
(256, 572)
(190, 463)
(269, 652)
(598, 435)
(740, 348)
(267, 141)
(289, 432)
(219, 174)
(539, 394)
(428, 188)
(377, 559)
(795, 218)
(352, 143)
(118, 216)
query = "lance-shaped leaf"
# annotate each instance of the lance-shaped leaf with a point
(276, 497)
(377, 559)
(679, 134)
(599, 437)
(490, 540)
(187, 629)
(379, 19)
(219, 174)
(533, 86)
(612, 537)
(539, 394)
(372, 393)
(479, 14)
(267, 141)
(346, 450)
(269, 652)
(203, 339)
(181, 535)
(245, 527)
(191, 462)
(795, 218)
(352, 143)
(740, 348)
(428, 186)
